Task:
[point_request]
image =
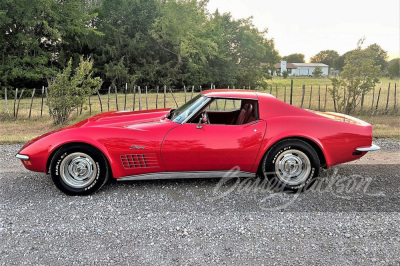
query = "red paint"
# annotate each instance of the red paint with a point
(183, 147)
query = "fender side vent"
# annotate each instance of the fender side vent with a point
(133, 161)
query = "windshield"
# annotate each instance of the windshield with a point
(183, 112)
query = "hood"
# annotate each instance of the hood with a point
(124, 118)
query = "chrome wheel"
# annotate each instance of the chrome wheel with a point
(292, 167)
(78, 170)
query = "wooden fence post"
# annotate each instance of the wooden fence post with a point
(362, 101)
(387, 99)
(319, 97)
(126, 90)
(90, 106)
(30, 108)
(270, 89)
(101, 103)
(19, 100)
(116, 98)
(15, 100)
(309, 104)
(302, 97)
(377, 101)
(108, 100)
(191, 96)
(165, 95)
(6, 102)
(140, 98)
(147, 103)
(284, 95)
(134, 97)
(373, 99)
(184, 89)
(276, 91)
(41, 106)
(291, 91)
(46, 90)
(157, 96)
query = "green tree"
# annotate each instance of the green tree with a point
(378, 55)
(317, 72)
(359, 75)
(294, 58)
(181, 32)
(340, 61)
(35, 35)
(69, 89)
(394, 68)
(327, 57)
(127, 51)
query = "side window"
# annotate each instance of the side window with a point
(225, 105)
(230, 112)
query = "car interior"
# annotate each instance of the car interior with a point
(229, 112)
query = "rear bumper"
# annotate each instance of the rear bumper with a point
(22, 157)
(373, 147)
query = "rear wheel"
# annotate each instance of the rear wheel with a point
(291, 164)
(79, 170)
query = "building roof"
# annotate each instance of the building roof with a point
(296, 65)
(310, 65)
(288, 66)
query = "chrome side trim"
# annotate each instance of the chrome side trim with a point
(373, 147)
(22, 157)
(184, 175)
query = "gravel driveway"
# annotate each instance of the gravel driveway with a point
(349, 217)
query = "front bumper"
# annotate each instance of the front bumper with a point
(373, 147)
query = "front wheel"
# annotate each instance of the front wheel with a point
(79, 170)
(291, 164)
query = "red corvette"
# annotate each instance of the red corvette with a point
(206, 137)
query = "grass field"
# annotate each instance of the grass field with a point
(386, 122)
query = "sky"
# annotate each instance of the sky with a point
(310, 26)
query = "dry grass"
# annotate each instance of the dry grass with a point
(385, 126)
(21, 131)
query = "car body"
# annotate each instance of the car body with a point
(207, 137)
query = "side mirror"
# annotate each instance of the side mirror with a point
(203, 120)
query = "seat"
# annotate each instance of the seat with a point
(244, 114)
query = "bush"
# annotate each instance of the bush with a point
(69, 90)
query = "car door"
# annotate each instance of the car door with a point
(212, 147)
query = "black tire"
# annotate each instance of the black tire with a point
(79, 169)
(291, 164)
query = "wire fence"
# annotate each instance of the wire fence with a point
(32, 104)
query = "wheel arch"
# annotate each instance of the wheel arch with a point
(74, 143)
(314, 144)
